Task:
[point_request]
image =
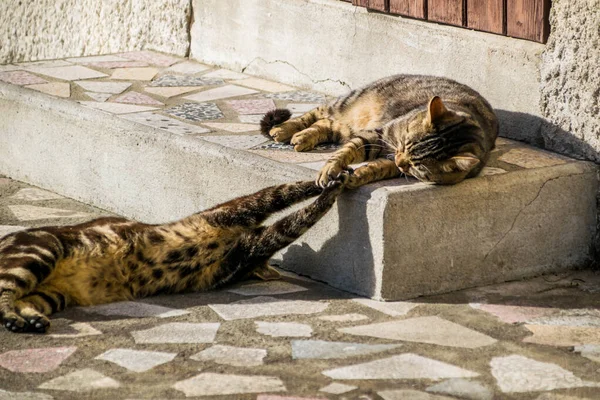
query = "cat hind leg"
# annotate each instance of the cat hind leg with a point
(283, 132)
(319, 132)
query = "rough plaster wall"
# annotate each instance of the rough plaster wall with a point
(46, 29)
(570, 72)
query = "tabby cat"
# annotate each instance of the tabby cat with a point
(44, 270)
(432, 128)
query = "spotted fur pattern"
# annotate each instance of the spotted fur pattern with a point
(44, 270)
(432, 128)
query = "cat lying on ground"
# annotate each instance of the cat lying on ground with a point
(44, 270)
(432, 128)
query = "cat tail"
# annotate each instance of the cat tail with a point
(272, 118)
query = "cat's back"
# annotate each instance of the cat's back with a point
(397, 95)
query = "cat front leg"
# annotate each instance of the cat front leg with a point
(374, 171)
(356, 150)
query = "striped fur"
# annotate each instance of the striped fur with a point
(432, 128)
(44, 270)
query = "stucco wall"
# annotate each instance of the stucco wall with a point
(46, 29)
(570, 79)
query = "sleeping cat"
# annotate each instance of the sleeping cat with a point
(44, 270)
(432, 128)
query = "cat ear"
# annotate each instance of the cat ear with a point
(461, 163)
(437, 109)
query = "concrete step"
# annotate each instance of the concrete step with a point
(530, 212)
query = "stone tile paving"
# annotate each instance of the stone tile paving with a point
(534, 339)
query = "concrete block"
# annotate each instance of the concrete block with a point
(532, 212)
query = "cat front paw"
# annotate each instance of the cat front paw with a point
(303, 141)
(328, 173)
(280, 135)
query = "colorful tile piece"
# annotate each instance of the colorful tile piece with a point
(183, 80)
(35, 360)
(169, 92)
(251, 118)
(343, 318)
(21, 78)
(178, 332)
(6, 229)
(32, 213)
(463, 389)
(100, 97)
(134, 309)
(117, 108)
(187, 68)
(5, 395)
(136, 360)
(488, 171)
(226, 74)
(104, 87)
(432, 330)
(337, 388)
(391, 308)
(229, 355)
(404, 366)
(409, 394)
(556, 335)
(165, 123)
(233, 127)
(301, 108)
(211, 384)
(45, 64)
(137, 98)
(117, 64)
(513, 314)
(151, 57)
(323, 350)
(222, 92)
(300, 96)
(269, 288)
(84, 380)
(196, 111)
(266, 306)
(289, 147)
(78, 329)
(251, 106)
(240, 142)
(283, 329)
(274, 397)
(591, 351)
(35, 194)
(264, 85)
(71, 73)
(59, 89)
(519, 374)
(134, 74)
(96, 59)
(530, 158)
(571, 317)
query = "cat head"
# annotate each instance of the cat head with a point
(437, 145)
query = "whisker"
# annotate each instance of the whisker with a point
(389, 143)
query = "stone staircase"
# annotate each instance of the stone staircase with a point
(156, 137)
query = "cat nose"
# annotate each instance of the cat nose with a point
(402, 164)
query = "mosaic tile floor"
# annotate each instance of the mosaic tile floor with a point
(173, 94)
(297, 339)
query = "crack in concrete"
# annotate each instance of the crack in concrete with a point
(317, 81)
(521, 212)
